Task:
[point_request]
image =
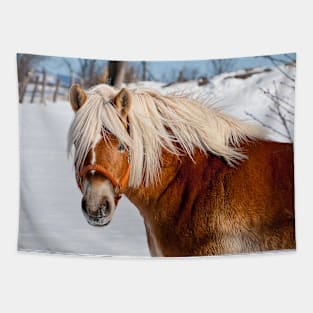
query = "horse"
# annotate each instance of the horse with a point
(204, 183)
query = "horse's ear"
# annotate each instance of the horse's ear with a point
(122, 103)
(77, 97)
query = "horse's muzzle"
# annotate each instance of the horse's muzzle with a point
(100, 217)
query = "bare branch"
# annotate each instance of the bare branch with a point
(277, 118)
(275, 98)
(277, 65)
(272, 110)
(287, 85)
(222, 66)
(283, 119)
(281, 108)
(266, 126)
(68, 64)
(293, 61)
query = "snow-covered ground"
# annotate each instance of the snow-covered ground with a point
(50, 215)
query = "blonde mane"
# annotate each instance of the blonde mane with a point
(175, 123)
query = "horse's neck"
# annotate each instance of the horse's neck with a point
(169, 203)
(146, 198)
(178, 176)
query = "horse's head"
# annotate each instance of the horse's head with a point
(103, 175)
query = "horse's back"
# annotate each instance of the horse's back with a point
(271, 165)
(269, 183)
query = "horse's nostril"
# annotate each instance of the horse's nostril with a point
(105, 209)
(84, 205)
(104, 205)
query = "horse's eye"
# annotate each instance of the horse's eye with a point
(121, 148)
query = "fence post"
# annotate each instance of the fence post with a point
(34, 90)
(56, 91)
(23, 86)
(43, 89)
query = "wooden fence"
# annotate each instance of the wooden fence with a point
(41, 87)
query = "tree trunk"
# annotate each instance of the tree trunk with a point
(35, 90)
(144, 70)
(72, 78)
(117, 71)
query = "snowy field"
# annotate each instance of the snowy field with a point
(50, 215)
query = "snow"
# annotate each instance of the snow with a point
(49, 92)
(50, 216)
(236, 96)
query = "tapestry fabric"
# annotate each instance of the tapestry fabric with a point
(156, 158)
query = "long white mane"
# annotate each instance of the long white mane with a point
(177, 124)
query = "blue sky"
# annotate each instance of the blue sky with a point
(162, 70)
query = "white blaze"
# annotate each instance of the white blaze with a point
(93, 153)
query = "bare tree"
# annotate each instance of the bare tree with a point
(131, 74)
(190, 73)
(181, 77)
(70, 67)
(87, 70)
(285, 59)
(221, 66)
(144, 71)
(281, 109)
(91, 72)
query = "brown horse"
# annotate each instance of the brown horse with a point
(204, 183)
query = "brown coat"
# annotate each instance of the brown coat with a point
(207, 207)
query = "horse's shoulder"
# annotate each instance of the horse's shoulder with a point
(267, 148)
